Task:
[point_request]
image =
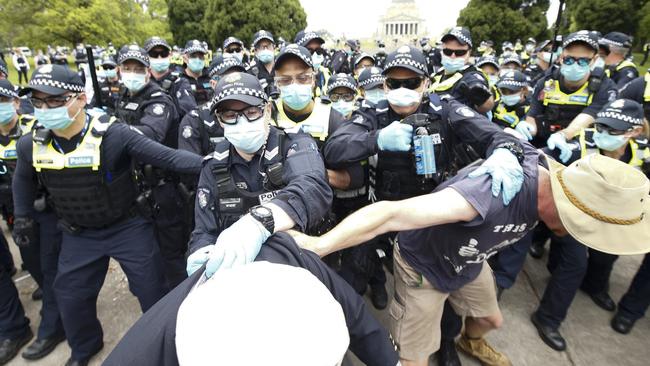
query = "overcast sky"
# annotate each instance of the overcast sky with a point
(359, 18)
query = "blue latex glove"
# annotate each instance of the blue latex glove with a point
(396, 136)
(237, 245)
(558, 141)
(524, 129)
(507, 174)
(196, 259)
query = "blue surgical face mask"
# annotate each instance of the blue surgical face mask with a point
(160, 64)
(134, 82)
(608, 142)
(600, 62)
(265, 56)
(452, 65)
(110, 74)
(546, 57)
(296, 96)
(343, 107)
(511, 100)
(237, 55)
(493, 79)
(7, 112)
(196, 64)
(403, 97)
(317, 60)
(574, 72)
(55, 118)
(375, 95)
(489, 115)
(246, 136)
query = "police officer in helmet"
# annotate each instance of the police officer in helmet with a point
(84, 163)
(259, 180)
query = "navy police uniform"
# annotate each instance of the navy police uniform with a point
(89, 181)
(624, 71)
(200, 86)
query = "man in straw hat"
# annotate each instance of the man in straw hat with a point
(447, 236)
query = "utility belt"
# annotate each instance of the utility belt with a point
(150, 177)
(69, 228)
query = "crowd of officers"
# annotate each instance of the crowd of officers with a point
(182, 161)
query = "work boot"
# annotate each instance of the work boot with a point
(42, 347)
(537, 249)
(37, 294)
(9, 347)
(447, 355)
(379, 296)
(481, 350)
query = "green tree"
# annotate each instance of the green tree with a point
(603, 15)
(241, 19)
(643, 31)
(505, 20)
(185, 20)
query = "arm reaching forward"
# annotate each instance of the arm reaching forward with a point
(443, 207)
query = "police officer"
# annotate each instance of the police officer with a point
(110, 87)
(456, 50)
(527, 54)
(37, 238)
(363, 61)
(513, 106)
(259, 180)
(543, 57)
(262, 65)
(380, 55)
(167, 78)
(617, 127)
(342, 92)
(200, 131)
(195, 71)
(314, 44)
(635, 302)
(147, 108)
(234, 47)
(512, 62)
(84, 163)
(567, 100)
(614, 48)
(490, 67)
(371, 85)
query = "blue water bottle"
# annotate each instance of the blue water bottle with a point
(425, 157)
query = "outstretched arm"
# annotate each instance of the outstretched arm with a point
(443, 207)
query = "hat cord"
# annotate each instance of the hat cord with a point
(598, 216)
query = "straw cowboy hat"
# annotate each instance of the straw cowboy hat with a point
(603, 203)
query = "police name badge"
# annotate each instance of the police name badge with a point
(203, 194)
(267, 196)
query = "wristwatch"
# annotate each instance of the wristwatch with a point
(264, 215)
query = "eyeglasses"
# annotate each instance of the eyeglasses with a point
(612, 131)
(55, 101)
(335, 97)
(582, 61)
(159, 54)
(252, 113)
(410, 83)
(449, 52)
(233, 50)
(303, 79)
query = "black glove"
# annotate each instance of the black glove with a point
(25, 232)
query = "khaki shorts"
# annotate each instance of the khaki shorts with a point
(417, 307)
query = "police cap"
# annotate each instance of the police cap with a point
(54, 80)
(621, 114)
(238, 86)
(616, 39)
(371, 77)
(133, 52)
(108, 61)
(304, 37)
(542, 45)
(363, 55)
(460, 34)
(220, 65)
(152, 42)
(512, 58)
(341, 80)
(7, 89)
(194, 46)
(585, 37)
(262, 34)
(487, 60)
(513, 80)
(407, 57)
(232, 40)
(295, 51)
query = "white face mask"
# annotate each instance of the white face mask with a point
(546, 57)
(403, 97)
(246, 136)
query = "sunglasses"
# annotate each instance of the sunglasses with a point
(318, 51)
(108, 67)
(252, 113)
(582, 61)
(335, 97)
(410, 83)
(233, 50)
(53, 101)
(159, 54)
(612, 131)
(449, 52)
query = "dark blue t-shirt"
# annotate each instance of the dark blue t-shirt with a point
(451, 255)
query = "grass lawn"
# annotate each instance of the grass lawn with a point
(13, 74)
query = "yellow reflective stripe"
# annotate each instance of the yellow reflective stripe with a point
(439, 86)
(8, 152)
(646, 93)
(86, 155)
(625, 63)
(502, 114)
(317, 124)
